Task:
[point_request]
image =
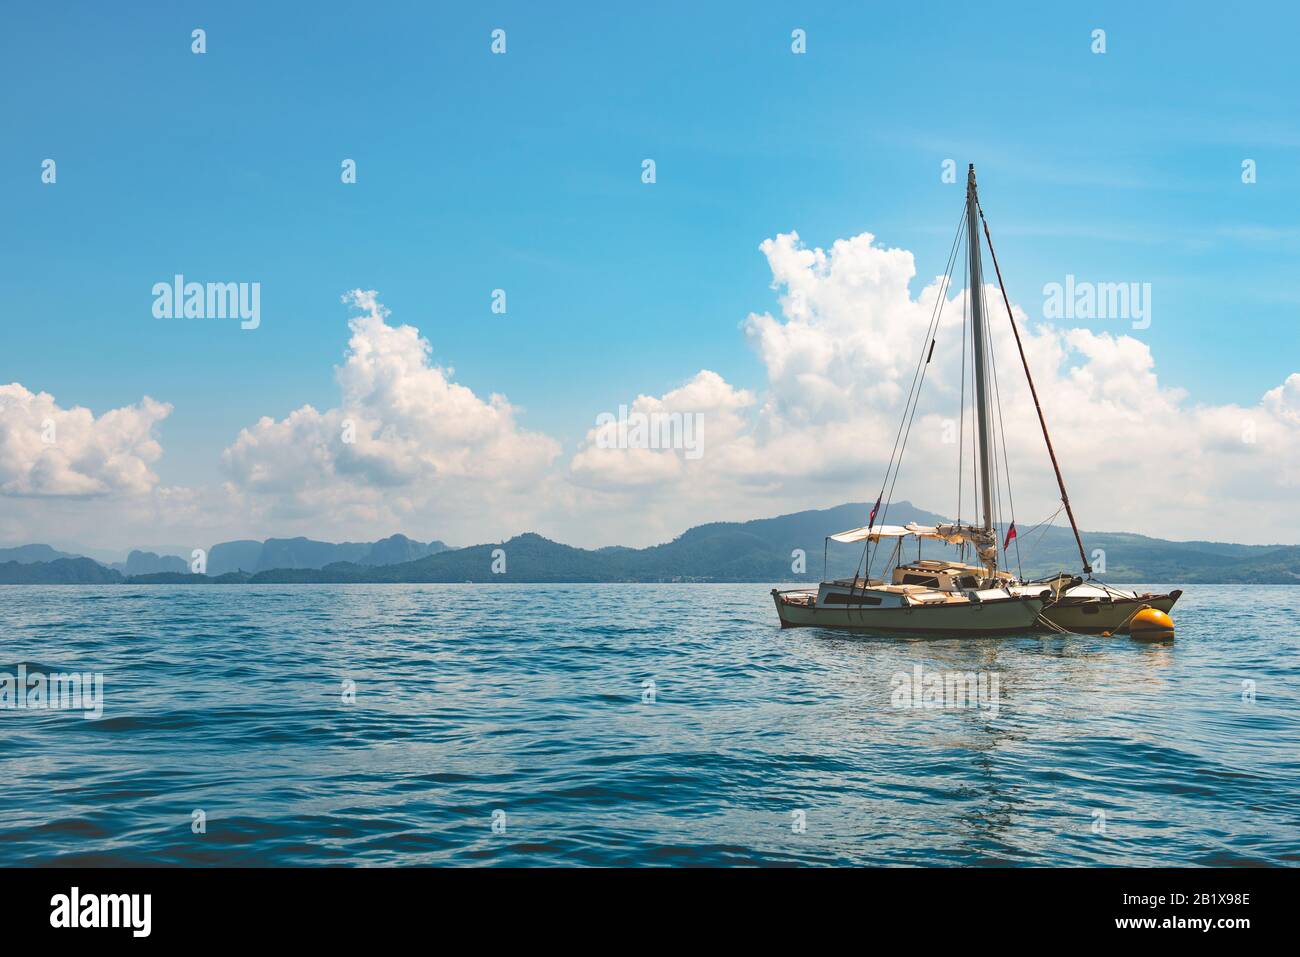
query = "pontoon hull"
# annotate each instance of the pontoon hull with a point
(1002, 617)
(1085, 616)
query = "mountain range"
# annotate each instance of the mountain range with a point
(782, 549)
(238, 557)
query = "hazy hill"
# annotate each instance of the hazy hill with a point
(398, 548)
(148, 563)
(61, 571)
(529, 557)
(761, 550)
(293, 553)
(234, 556)
(306, 553)
(26, 554)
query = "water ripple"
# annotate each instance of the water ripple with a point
(633, 725)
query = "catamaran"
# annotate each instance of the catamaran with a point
(937, 596)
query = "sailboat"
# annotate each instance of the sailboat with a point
(937, 596)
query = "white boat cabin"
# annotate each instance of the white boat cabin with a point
(923, 582)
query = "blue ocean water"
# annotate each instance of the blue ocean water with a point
(634, 725)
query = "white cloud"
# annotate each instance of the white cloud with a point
(433, 459)
(1284, 402)
(49, 451)
(721, 426)
(1138, 456)
(405, 444)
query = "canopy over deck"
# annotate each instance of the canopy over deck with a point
(952, 534)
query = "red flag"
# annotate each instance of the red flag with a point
(1011, 533)
(872, 520)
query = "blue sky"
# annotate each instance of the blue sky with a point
(522, 172)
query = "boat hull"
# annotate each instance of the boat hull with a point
(1094, 617)
(1001, 617)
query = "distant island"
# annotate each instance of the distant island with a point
(762, 550)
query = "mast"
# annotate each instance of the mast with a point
(983, 428)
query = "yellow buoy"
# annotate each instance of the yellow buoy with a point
(1151, 624)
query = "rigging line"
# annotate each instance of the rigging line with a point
(1060, 481)
(1006, 465)
(982, 484)
(997, 441)
(917, 377)
(1033, 546)
(993, 479)
(966, 376)
(974, 435)
(911, 418)
(974, 421)
(994, 490)
(1006, 477)
(889, 498)
(906, 435)
(913, 389)
(961, 404)
(1045, 521)
(1053, 626)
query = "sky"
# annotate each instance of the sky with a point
(1168, 161)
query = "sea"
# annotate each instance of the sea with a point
(631, 725)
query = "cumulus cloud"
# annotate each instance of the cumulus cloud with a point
(405, 442)
(705, 412)
(1284, 402)
(47, 451)
(408, 448)
(839, 361)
